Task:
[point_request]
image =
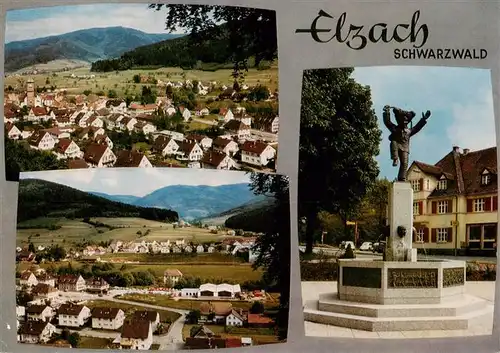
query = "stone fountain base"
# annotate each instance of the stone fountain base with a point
(398, 296)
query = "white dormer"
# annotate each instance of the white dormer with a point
(485, 177)
(442, 183)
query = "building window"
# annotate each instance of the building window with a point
(427, 184)
(441, 184)
(442, 235)
(485, 179)
(442, 207)
(482, 236)
(420, 235)
(478, 205)
(416, 209)
(415, 185)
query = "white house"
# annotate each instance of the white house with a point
(226, 146)
(238, 128)
(204, 141)
(165, 146)
(28, 279)
(148, 315)
(12, 131)
(134, 159)
(172, 276)
(99, 156)
(257, 153)
(127, 123)
(67, 148)
(217, 160)
(43, 291)
(190, 151)
(136, 335)
(39, 313)
(186, 113)
(95, 121)
(190, 292)
(36, 332)
(144, 127)
(226, 114)
(45, 278)
(41, 140)
(71, 283)
(200, 249)
(107, 318)
(72, 315)
(170, 111)
(235, 319)
(275, 125)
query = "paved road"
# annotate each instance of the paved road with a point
(173, 340)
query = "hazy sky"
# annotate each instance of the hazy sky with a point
(137, 181)
(460, 100)
(47, 21)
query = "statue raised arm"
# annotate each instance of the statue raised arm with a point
(400, 135)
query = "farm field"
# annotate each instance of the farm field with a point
(70, 232)
(94, 342)
(165, 315)
(122, 81)
(259, 336)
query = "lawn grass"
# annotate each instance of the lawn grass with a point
(165, 315)
(198, 125)
(122, 82)
(182, 304)
(195, 258)
(259, 336)
(94, 342)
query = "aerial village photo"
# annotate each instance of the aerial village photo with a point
(138, 85)
(398, 205)
(152, 258)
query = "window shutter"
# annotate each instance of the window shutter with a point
(421, 207)
(434, 207)
(421, 181)
(433, 235)
(426, 235)
(469, 205)
(495, 203)
(450, 206)
(450, 235)
(487, 204)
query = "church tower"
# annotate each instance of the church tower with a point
(30, 93)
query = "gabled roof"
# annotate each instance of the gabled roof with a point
(37, 137)
(254, 147)
(463, 172)
(138, 329)
(148, 315)
(222, 142)
(105, 313)
(36, 309)
(187, 147)
(77, 164)
(94, 152)
(128, 158)
(173, 272)
(213, 158)
(70, 309)
(236, 125)
(63, 145)
(33, 328)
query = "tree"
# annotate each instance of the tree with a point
(339, 134)
(137, 79)
(193, 317)
(273, 247)
(74, 339)
(257, 308)
(31, 247)
(250, 32)
(112, 93)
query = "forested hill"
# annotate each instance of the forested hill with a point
(40, 198)
(185, 52)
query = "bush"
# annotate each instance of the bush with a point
(349, 253)
(476, 271)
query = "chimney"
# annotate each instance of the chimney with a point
(466, 151)
(456, 149)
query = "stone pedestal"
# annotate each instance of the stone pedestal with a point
(399, 248)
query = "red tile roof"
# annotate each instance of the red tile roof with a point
(254, 147)
(213, 158)
(128, 159)
(259, 319)
(77, 164)
(94, 153)
(138, 329)
(63, 145)
(463, 172)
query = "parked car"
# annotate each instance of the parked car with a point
(379, 247)
(366, 246)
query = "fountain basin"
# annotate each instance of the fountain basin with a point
(395, 282)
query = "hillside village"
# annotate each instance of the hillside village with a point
(98, 131)
(56, 305)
